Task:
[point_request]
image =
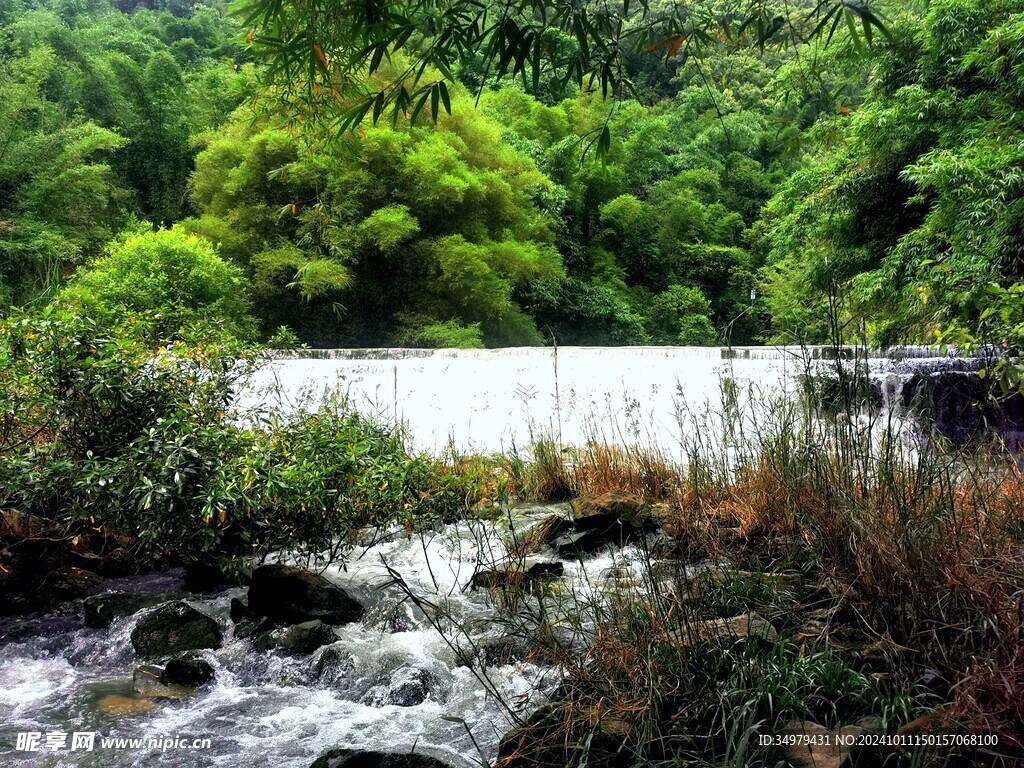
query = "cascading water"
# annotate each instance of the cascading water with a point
(493, 400)
(391, 682)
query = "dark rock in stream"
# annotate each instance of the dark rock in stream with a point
(187, 669)
(292, 595)
(102, 610)
(239, 611)
(172, 628)
(69, 583)
(357, 758)
(512, 578)
(609, 519)
(298, 639)
(408, 687)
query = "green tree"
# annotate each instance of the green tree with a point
(170, 273)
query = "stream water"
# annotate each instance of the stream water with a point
(268, 709)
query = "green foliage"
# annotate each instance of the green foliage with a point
(139, 433)
(57, 189)
(680, 316)
(909, 214)
(415, 234)
(312, 53)
(166, 272)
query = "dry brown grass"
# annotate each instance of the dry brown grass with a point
(597, 467)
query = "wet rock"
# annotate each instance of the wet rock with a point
(172, 628)
(298, 639)
(148, 683)
(408, 687)
(334, 665)
(807, 752)
(188, 669)
(610, 519)
(253, 626)
(506, 578)
(610, 507)
(102, 610)
(357, 758)
(125, 706)
(239, 611)
(69, 583)
(291, 595)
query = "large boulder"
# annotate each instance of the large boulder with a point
(173, 628)
(292, 595)
(357, 758)
(102, 610)
(608, 519)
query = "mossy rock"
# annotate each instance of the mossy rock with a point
(173, 628)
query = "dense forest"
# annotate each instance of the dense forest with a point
(744, 190)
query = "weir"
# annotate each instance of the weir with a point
(496, 399)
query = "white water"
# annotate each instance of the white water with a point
(269, 710)
(495, 400)
(492, 400)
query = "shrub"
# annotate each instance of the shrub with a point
(177, 275)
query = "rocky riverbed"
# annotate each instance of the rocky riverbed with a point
(297, 663)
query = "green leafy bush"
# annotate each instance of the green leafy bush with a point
(106, 429)
(165, 271)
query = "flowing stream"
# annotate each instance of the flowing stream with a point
(392, 681)
(269, 709)
(497, 400)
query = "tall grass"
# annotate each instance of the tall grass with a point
(910, 563)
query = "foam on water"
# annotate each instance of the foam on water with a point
(267, 709)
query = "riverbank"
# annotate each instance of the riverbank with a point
(787, 560)
(813, 582)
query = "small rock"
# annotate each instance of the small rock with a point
(828, 754)
(239, 611)
(738, 628)
(147, 682)
(498, 579)
(610, 519)
(102, 610)
(125, 706)
(298, 639)
(172, 628)
(407, 687)
(334, 665)
(257, 625)
(290, 595)
(188, 669)
(357, 758)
